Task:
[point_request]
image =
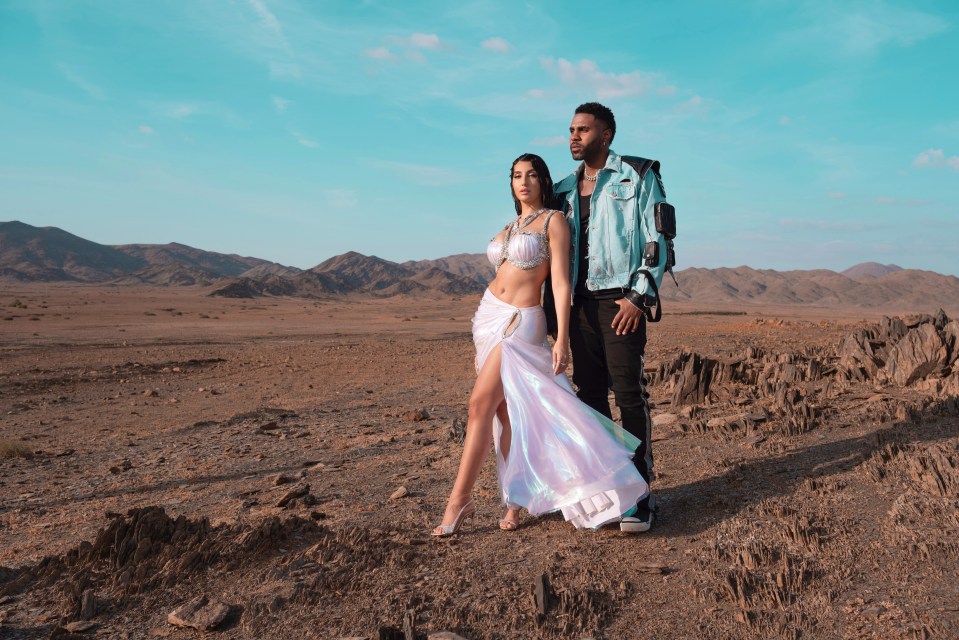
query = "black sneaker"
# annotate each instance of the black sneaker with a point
(641, 520)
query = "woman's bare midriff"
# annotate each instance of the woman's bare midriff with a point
(519, 287)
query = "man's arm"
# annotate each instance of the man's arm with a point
(654, 247)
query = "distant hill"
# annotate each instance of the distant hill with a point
(898, 288)
(357, 272)
(475, 266)
(353, 272)
(31, 254)
(49, 254)
(45, 254)
(270, 269)
(870, 270)
(180, 254)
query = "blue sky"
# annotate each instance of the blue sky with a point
(793, 135)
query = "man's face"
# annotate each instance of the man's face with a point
(586, 137)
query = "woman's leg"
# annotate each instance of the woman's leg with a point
(486, 397)
(507, 435)
(510, 519)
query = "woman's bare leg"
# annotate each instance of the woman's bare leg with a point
(506, 440)
(486, 397)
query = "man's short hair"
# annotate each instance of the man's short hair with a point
(600, 112)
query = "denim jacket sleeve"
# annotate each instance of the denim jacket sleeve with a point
(650, 195)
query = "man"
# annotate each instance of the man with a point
(619, 255)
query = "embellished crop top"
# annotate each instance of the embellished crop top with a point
(523, 249)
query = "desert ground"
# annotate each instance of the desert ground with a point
(286, 458)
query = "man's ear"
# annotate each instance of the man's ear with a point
(607, 136)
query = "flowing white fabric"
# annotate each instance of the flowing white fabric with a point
(563, 455)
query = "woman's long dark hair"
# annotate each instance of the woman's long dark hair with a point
(542, 172)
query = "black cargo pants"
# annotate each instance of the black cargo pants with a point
(602, 361)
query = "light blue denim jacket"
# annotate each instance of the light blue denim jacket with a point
(622, 220)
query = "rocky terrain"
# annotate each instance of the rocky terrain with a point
(176, 465)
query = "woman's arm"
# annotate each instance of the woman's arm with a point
(558, 234)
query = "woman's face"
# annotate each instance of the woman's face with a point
(526, 185)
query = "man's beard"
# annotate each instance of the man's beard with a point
(587, 153)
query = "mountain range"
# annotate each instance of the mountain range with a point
(49, 254)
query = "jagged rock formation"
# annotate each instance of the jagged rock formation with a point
(904, 352)
(792, 392)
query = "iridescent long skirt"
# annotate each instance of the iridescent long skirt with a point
(563, 455)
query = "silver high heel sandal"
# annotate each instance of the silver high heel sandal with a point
(446, 530)
(509, 524)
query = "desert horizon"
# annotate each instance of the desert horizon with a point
(48, 254)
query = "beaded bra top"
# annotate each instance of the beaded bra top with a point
(523, 249)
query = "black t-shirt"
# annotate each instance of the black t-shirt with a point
(583, 268)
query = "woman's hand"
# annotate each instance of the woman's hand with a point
(560, 358)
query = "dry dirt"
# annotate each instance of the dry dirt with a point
(159, 429)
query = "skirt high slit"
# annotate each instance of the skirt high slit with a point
(563, 455)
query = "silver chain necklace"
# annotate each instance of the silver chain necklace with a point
(590, 178)
(522, 224)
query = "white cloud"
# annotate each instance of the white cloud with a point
(696, 104)
(303, 139)
(784, 120)
(865, 32)
(85, 85)
(536, 93)
(145, 129)
(420, 173)
(342, 198)
(587, 77)
(413, 47)
(757, 237)
(180, 110)
(823, 225)
(935, 158)
(282, 59)
(380, 53)
(421, 41)
(267, 19)
(551, 141)
(856, 33)
(281, 104)
(425, 40)
(284, 70)
(900, 202)
(499, 45)
(187, 110)
(667, 90)
(836, 195)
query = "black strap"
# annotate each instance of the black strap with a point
(659, 302)
(642, 165)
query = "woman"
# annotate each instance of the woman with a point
(552, 451)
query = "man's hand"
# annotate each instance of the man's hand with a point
(628, 317)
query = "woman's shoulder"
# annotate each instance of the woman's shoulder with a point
(549, 216)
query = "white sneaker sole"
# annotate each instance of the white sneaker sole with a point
(634, 525)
